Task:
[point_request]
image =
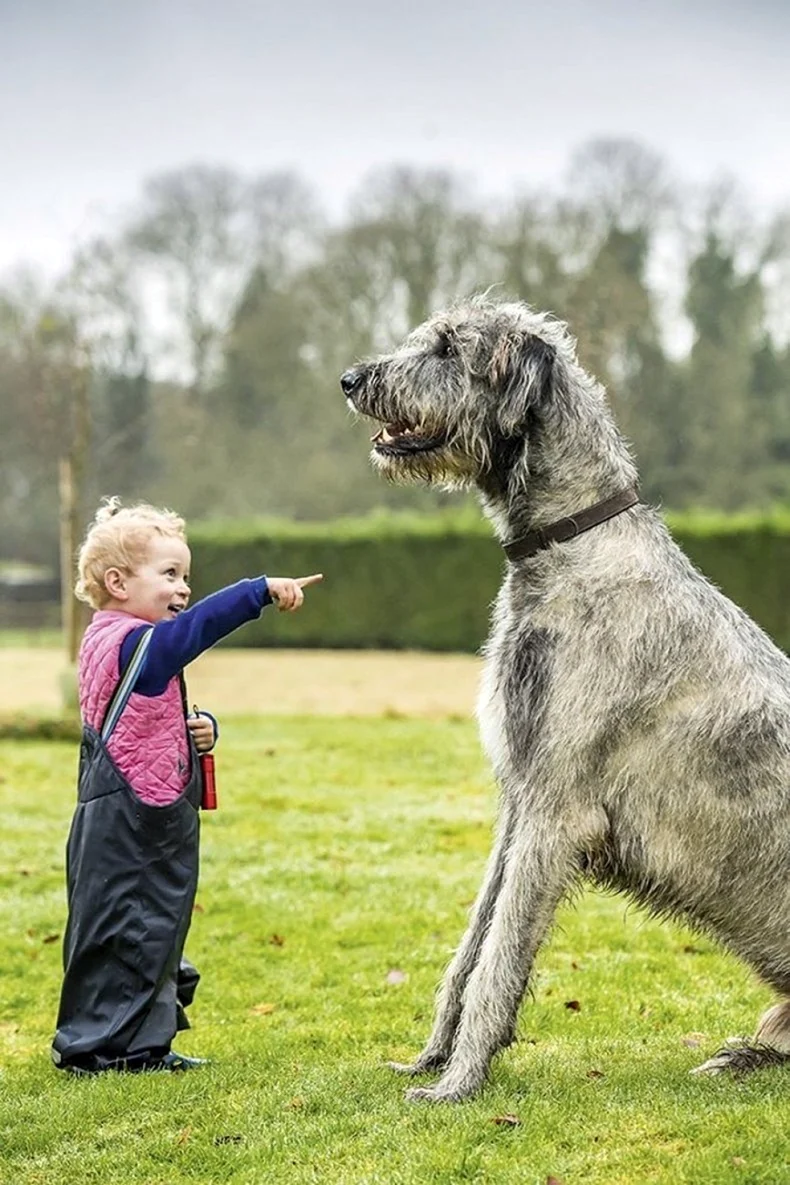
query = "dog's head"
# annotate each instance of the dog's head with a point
(457, 399)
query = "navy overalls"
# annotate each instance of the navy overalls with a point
(132, 871)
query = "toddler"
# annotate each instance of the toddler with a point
(132, 853)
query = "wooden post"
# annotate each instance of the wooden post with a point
(71, 480)
(68, 543)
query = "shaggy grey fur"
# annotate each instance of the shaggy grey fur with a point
(638, 723)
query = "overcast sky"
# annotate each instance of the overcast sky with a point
(95, 94)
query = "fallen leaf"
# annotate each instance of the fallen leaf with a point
(575, 966)
(228, 1139)
(553, 1181)
(183, 1135)
(396, 976)
(595, 1074)
(694, 1040)
(198, 908)
(738, 1161)
(50, 938)
(276, 940)
(506, 1120)
(573, 1005)
(296, 1103)
(263, 1009)
(269, 752)
(688, 949)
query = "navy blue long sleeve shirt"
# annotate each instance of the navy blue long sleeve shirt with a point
(176, 643)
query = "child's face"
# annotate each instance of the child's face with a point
(158, 589)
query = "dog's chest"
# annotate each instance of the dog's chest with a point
(514, 692)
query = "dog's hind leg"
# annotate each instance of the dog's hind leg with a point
(450, 996)
(770, 1046)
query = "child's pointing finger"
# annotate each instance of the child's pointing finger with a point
(304, 581)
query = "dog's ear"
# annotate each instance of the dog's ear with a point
(520, 373)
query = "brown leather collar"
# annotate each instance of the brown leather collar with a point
(570, 527)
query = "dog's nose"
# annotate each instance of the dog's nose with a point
(350, 380)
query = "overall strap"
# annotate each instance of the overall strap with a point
(126, 685)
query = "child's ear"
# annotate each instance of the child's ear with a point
(115, 583)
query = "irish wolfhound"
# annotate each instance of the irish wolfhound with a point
(638, 722)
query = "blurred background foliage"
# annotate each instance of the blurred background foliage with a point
(427, 582)
(208, 327)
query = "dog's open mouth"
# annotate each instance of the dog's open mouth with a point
(401, 439)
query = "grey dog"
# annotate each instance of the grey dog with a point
(638, 723)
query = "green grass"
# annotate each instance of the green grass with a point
(344, 850)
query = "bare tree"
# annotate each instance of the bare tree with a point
(287, 224)
(427, 234)
(624, 183)
(194, 232)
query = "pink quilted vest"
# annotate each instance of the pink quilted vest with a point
(149, 744)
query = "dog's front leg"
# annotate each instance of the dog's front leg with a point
(538, 869)
(449, 1000)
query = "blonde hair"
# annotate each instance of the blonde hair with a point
(119, 537)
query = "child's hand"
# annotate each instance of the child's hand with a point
(202, 729)
(287, 593)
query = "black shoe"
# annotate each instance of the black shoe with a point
(176, 1062)
(171, 1063)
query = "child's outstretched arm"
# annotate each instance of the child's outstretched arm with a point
(176, 643)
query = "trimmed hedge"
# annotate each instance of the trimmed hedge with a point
(748, 558)
(427, 583)
(22, 726)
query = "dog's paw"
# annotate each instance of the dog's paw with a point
(740, 1056)
(431, 1094)
(426, 1063)
(410, 1068)
(720, 1063)
(442, 1092)
(723, 1059)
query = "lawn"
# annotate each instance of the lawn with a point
(232, 681)
(336, 878)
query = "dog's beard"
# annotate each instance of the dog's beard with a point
(443, 467)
